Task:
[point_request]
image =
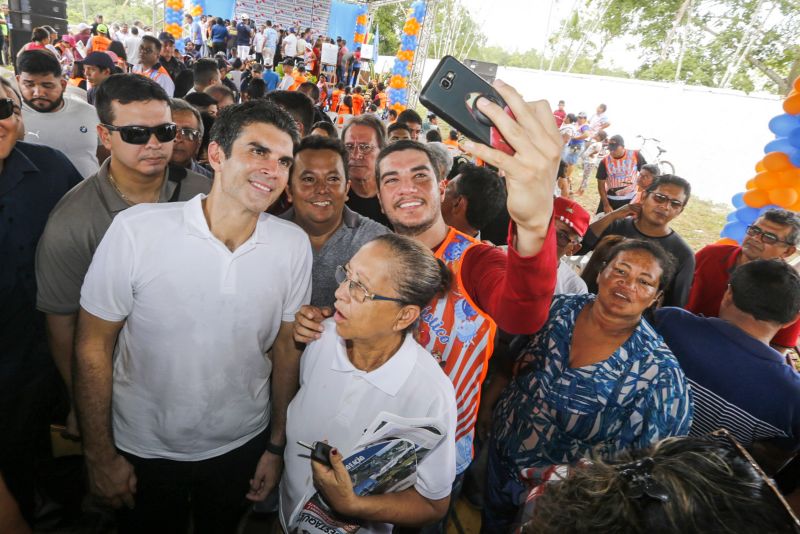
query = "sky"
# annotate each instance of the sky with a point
(519, 25)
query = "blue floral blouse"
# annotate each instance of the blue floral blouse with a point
(553, 414)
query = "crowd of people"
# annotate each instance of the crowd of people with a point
(207, 266)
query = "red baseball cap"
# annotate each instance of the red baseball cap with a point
(572, 213)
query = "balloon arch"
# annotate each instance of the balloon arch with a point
(777, 180)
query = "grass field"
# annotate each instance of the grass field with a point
(699, 224)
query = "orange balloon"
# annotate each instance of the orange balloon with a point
(792, 103)
(789, 178)
(797, 84)
(751, 184)
(757, 198)
(777, 161)
(398, 82)
(760, 166)
(795, 206)
(398, 107)
(411, 27)
(784, 197)
(766, 180)
(405, 55)
(727, 241)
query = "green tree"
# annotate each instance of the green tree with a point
(112, 11)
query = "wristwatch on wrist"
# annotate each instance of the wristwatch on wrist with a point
(277, 450)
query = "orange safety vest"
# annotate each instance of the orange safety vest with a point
(358, 104)
(335, 99)
(461, 337)
(100, 43)
(298, 81)
(343, 110)
(622, 175)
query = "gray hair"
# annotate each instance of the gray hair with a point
(178, 104)
(785, 218)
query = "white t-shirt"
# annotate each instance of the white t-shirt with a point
(72, 130)
(336, 402)
(131, 44)
(290, 45)
(568, 282)
(258, 42)
(190, 372)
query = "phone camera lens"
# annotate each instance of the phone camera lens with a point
(446, 84)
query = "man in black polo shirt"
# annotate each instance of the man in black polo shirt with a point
(32, 180)
(662, 202)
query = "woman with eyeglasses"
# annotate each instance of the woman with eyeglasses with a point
(365, 363)
(597, 376)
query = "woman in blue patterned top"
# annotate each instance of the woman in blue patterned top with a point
(597, 376)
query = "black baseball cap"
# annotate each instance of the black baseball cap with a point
(99, 59)
(288, 61)
(166, 37)
(616, 140)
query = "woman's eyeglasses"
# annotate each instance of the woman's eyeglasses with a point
(7, 108)
(140, 135)
(358, 292)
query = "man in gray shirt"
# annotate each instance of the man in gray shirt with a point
(139, 134)
(318, 189)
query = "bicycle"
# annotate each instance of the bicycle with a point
(665, 166)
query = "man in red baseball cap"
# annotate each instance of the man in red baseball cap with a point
(571, 222)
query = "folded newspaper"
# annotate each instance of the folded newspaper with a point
(384, 460)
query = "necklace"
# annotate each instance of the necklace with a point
(122, 195)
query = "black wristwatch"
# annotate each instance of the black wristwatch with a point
(277, 450)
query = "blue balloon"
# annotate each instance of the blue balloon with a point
(419, 10)
(735, 231)
(794, 157)
(794, 137)
(780, 144)
(731, 217)
(746, 214)
(738, 200)
(180, 45)
(409, 42)
(781, 125)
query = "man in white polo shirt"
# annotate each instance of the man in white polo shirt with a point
(178, 310)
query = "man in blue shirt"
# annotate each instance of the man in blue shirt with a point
(270, 78)
(244, 36)
(739, 381)
(32, 180)
(270, 44)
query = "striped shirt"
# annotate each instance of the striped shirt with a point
(739, 383)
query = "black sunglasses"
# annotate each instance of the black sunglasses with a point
(768, 238)
(140, 135)
(7, 107)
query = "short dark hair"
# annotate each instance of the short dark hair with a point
(485, 193)
(397, 126)
(297, 104)
(571, 117)
(200, 100)
(769, 290)
(152, 40)
(257, 88)
(664, 258)
(313, 90)
(205, 70)
(39, 34)
(321, 142)
(370, 121)
(39, 62)
(652, 168)
(233, 119)
(433, 136)
(603, 106)
(785, 218)
(406, 144)
(671, 179)
(409, 115)
(125, 89)
(453, 135)
(329, 128)
(219, 91)
(236, 63)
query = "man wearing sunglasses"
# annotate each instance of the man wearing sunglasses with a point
(32, 180)
(66, 124)
(139, 134)
(188, 136)
(774, 235)
(662, 202)
(194, 304)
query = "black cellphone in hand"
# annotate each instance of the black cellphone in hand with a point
(452, 93)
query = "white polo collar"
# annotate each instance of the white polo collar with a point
(390, 376)
(195, 221)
